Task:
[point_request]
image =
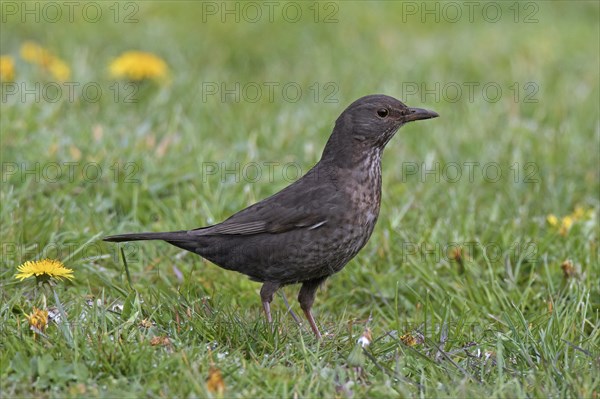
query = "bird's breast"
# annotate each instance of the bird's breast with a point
(363, 189)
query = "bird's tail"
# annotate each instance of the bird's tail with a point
(182, 235)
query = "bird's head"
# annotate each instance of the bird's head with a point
(373, 120)
(367, 125)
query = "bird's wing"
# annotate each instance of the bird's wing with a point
(297, 206)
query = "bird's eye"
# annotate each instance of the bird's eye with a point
(382, 112)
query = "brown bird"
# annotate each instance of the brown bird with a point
(315, 226)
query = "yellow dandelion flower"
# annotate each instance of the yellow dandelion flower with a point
(44, 270)
(38, 318)
(408, 339)
(565, 225)
(59, 69)
(7, 68)
(36, 54)
(552, 220)
(138, 65)
(580, 213)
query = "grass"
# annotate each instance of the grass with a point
(503, 320)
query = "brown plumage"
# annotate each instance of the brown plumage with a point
(312, 228)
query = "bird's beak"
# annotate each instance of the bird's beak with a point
(417, 114)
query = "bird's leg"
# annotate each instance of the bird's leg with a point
(266, 295)
(306, 297)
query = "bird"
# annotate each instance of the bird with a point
(312, 228)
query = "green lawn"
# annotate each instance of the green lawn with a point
(461, 283)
